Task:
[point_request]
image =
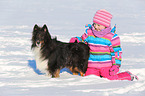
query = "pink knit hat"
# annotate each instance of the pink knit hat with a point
(102, 17)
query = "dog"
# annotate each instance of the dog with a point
(52, 55)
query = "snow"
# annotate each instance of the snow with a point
(65, 19)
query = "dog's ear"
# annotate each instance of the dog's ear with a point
(45, 28)
(46, 31)
(35, 27)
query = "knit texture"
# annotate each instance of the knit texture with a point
(102, 17)
(105, 51)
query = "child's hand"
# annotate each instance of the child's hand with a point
(114, 70)
(73, 40)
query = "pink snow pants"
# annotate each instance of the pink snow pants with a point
(104, 72)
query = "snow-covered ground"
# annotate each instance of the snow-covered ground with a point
(65, 19)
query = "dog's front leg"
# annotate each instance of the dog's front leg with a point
(77, 70)
(81, 73)
(73, 71)
(56, 73)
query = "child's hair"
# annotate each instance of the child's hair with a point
(98, 24)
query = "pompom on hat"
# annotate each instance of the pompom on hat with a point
(102, 17)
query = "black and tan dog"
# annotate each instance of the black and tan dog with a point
(52, 55)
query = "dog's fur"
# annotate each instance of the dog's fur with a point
(52, 55)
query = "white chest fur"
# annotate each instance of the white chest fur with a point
(41, 64)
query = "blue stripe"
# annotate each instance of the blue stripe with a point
(86, 31)
(115, 36)
(118, 53)
(113, 29)
(112, 54)
(117, 49)
(100, 57)
(97, 40)
(118, 61)
(79, 38)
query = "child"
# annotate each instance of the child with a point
(105, 49)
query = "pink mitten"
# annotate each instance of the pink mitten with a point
(114, 70)
(73, 39)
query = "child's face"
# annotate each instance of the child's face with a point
(99, 27)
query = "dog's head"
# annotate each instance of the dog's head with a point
(40, 36)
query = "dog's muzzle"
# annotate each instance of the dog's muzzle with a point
(38, 43)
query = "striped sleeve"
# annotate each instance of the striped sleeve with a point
(116, 50)
(83, 38)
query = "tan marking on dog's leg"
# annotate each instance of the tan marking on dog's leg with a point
(81, 73)
(57, 73)
(76, 69)
(71, 69)
(74, 73)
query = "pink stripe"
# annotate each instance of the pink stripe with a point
(111, 49)
(98, 45)
(99, 62)
(107, 14)
(120, 53)
(113, 59)
(102, 16)
(103, 51)
(101, 23)
(115, 41)
(99, 48)
(116, 38)
(109, 36)
(99, 65)
(89, 31)
(116, 55)
(116, 44)
(102, 19)
(84, 36)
